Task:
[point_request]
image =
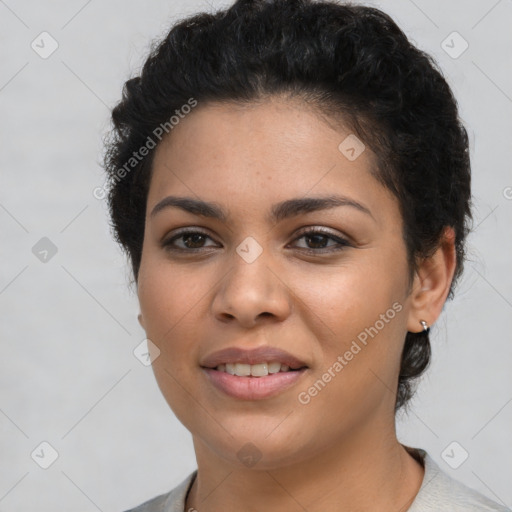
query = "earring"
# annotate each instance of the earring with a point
(425, 326)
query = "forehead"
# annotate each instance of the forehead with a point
(260, 153)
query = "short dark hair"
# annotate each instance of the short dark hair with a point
(347, 61)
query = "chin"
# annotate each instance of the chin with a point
(260, 446)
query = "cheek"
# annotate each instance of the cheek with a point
(356, 313)
(172, 303)
(167, 297)
(351, 297)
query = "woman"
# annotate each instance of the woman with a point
(291, 182)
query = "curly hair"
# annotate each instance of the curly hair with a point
(347, 61)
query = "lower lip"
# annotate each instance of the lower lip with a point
(253, 388)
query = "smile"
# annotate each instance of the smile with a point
(252, 374)
(254, 370)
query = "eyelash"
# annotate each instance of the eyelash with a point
(341, 242)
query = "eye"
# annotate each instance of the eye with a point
(317, 241)
(191, 240)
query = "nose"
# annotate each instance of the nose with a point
(252, 293)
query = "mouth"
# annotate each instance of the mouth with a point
(253, 374)
(256, 370)
(257, 362)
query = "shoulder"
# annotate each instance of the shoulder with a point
(440, 492)
(173, 501)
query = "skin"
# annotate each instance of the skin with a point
(339, 451)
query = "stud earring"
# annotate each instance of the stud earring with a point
(425, 326)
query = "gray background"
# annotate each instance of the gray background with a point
(68, 375)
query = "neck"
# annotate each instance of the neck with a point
(369, 471)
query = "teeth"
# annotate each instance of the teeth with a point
(259, 370)
(274, 367)
(242, 370)
(254, 370)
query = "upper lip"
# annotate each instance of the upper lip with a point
(252, 356)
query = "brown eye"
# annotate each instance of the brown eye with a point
(321, 241)
(193, 240)
(188, 240)
(318, 241)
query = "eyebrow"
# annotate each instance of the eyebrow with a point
(278, 212)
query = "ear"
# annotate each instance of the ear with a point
(141, 321)
(432, 283)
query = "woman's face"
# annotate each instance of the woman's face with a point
(302, 253)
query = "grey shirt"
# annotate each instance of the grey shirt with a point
(439, 492)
